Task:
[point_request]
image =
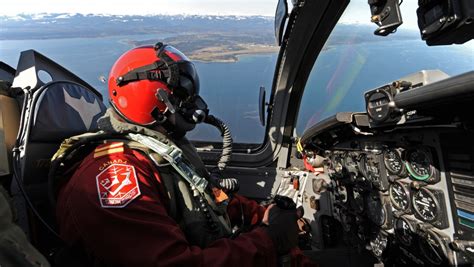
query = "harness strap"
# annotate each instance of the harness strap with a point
(173, 155)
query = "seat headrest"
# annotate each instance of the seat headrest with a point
(64, 109)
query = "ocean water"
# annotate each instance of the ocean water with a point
(341, 74)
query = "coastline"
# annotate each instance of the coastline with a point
(220, 55)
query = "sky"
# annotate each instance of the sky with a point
(360, 13)
(140, 7)
(171, 7)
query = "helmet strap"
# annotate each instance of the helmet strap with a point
(165, 69)
(154, 72)
(162, 95)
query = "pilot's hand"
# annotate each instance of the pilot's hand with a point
(282, 228)
(266, 214)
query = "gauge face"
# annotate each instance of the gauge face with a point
(378, 106)
(432, 248)
(404, 231)
(378, 245)
(419, 165)
(400, 196)
(425, 205)
(393, 162)
(376, 211)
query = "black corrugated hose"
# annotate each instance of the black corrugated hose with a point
(229, 184)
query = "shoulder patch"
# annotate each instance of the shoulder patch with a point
(107, 149)
(117, 186)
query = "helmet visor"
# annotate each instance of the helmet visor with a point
(189, 79)
(173, 53)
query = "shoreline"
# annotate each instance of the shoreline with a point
(216, 55)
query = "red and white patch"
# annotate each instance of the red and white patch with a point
(117, 186)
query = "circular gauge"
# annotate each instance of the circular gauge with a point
(419, 165)
(358, 201)
(400, 196)
(379, 244)
(393, 162)
(404, 231)
(376, 211)
(432, 247)
(425, 205)
(378, 105)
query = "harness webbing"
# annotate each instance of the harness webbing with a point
(173, 155)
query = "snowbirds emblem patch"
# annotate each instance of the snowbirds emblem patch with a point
(117, 186)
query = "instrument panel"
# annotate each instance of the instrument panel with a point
(390, 198)
(406, 166)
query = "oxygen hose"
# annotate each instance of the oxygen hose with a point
(226, 140)
(229, 184)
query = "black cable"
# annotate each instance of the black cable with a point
(16, 175)
(16, 159)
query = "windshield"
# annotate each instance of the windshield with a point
(354, 61)
(231, 43)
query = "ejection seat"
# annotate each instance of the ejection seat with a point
(57, 104)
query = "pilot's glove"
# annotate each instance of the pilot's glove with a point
(282, 227)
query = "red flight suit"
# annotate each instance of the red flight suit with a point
(137, 230)
(141, 233)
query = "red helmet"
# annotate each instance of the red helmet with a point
(148, 84)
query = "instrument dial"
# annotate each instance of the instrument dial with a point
(400, 196)
(419, 165)
(404, 231)
(432, 247)
(425, 205)
(393, 162)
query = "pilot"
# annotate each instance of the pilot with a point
(141, 195)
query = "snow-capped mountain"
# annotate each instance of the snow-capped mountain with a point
(65, 25)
